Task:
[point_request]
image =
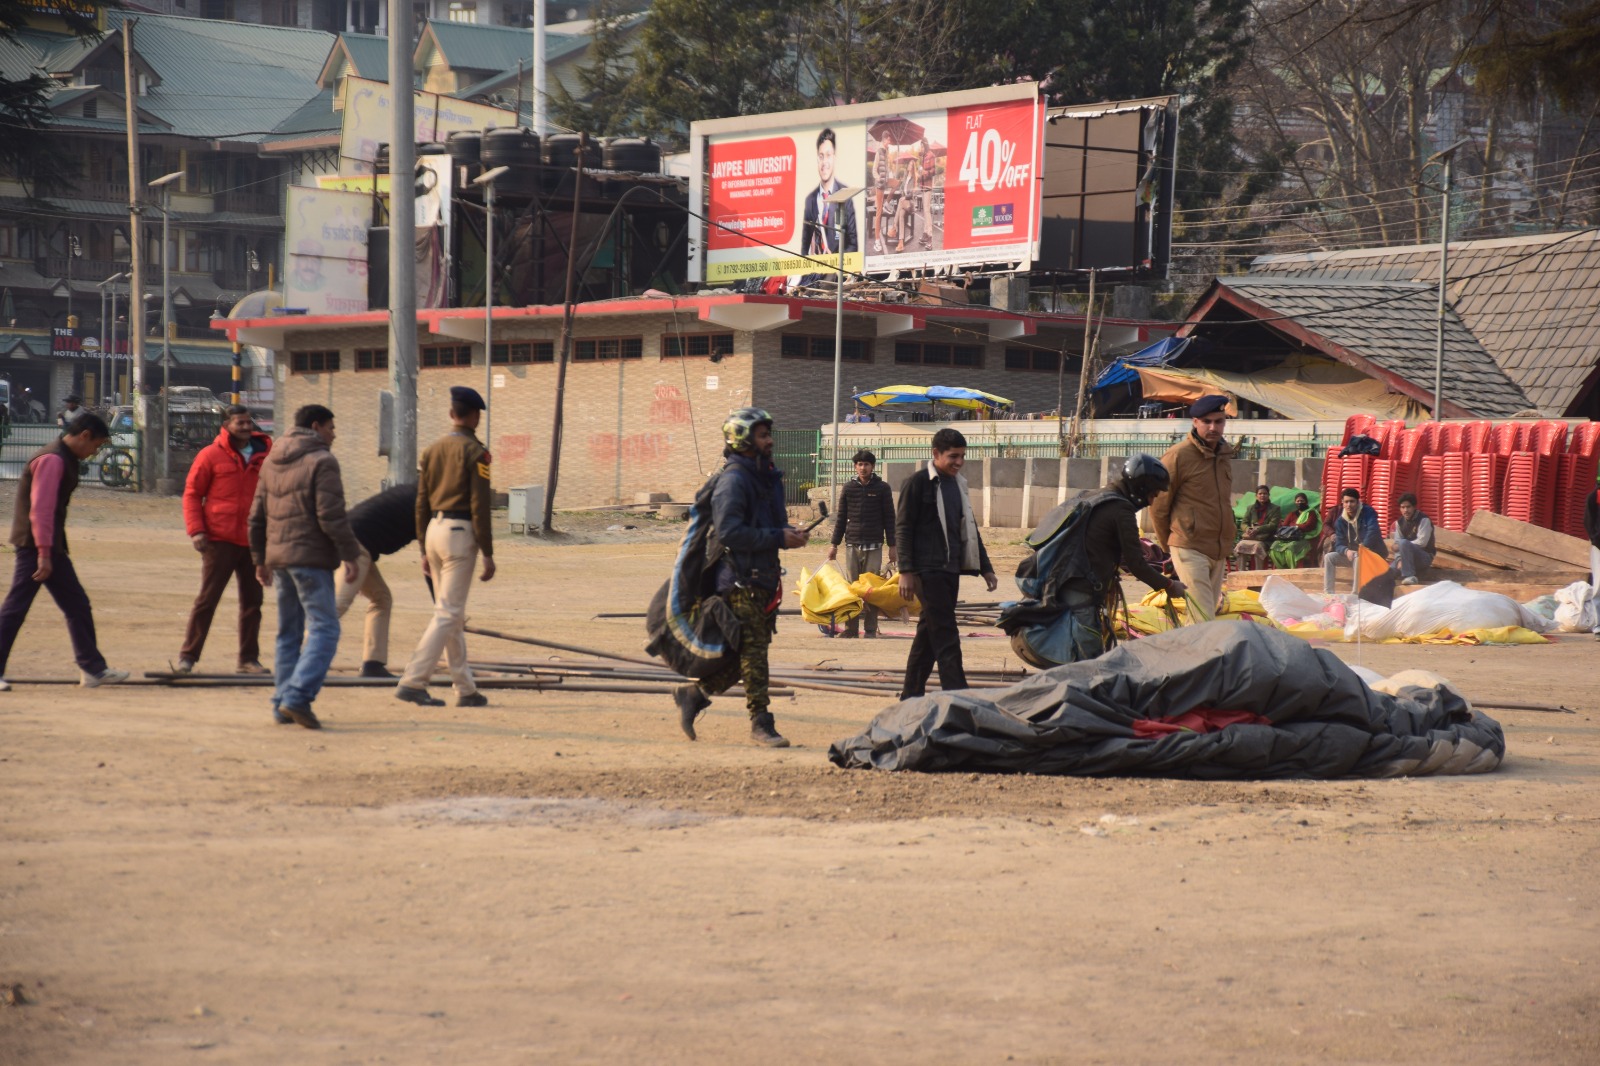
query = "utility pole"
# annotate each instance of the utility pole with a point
(1089, 337)
(566, 334)
(402, 248)
(141, 402)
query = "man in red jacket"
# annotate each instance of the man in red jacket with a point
(216, 513)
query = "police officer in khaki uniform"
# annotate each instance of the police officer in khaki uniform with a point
(452, 527)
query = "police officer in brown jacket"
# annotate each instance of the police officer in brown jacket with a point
(1194, 518)
(452, 527)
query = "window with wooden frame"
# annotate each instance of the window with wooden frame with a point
(517, 352)
(322, 362)
(1034, 359)
(802, 346)
(372, 359)
(931, 353)
(600, 349)
(679, 345)
(435, 355)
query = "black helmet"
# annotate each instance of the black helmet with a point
(1145, 478)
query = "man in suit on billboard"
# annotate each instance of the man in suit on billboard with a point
(820, 233)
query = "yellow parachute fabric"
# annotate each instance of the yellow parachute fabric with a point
(825, 596)
(884, 594)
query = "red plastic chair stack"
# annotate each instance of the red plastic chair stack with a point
(1382, 490)
(1357, 424)
(1503, 439)
(1430, 487)
(1575, 482)
(1548, 438)
(1409, 449)
(1452, 437)
(1486, 474)
(1524, 437)
(1428, 438)
(1477, 436)
(1455, 508)
(1585, 439)
(1529, 493)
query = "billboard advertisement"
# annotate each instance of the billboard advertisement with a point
(948, 180)
(366, 121)
(326, 241)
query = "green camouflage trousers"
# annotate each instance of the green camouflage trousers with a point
(749, 606)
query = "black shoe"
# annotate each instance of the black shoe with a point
(417, 696)
(281, 718)
(472, 699)
(301, 716)
(764, 731)
(373, 668)
(691, 702)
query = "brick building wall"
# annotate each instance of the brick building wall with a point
(646, 424)
(650, 424)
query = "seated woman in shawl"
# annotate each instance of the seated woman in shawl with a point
(1261, 524)
(1297, 536)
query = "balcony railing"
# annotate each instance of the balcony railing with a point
(250, 203)
(55, 266)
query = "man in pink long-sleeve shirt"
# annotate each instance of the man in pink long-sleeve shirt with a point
(38, 532)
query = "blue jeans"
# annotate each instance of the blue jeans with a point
(304, 594)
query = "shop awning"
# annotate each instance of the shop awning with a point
(1313, 390)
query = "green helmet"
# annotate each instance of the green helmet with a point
(741, 424)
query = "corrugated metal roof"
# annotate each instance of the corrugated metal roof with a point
(316, 115)
(1392, 325)
(226, 80)
(467, 46)
(1532, 302)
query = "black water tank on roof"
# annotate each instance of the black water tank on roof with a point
(509, 147)
(638, 155)
(464, 146)
(561, 150)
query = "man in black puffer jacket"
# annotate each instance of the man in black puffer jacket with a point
(865, 519)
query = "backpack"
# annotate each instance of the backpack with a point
(1060, 548)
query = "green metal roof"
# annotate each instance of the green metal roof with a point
(467, 46)
(231, 81)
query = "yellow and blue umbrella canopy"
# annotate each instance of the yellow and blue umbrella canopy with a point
(948, 395)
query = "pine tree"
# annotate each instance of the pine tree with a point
(604, 104)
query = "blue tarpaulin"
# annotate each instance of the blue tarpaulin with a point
(1160, 353)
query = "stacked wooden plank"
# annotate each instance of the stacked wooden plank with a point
(1495, 553)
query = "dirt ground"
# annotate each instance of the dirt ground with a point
(562, 877)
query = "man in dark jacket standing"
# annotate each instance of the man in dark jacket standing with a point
(750, 525)
(39, 533)
(938, 535)
(298, 528)
(864, 521)
(383, 524)
(216, 512)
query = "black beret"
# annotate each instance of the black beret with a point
(1205, 405)
(468, 398)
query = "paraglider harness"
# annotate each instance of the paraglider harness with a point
(1057, 580)
(690, 626)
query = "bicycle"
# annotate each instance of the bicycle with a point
(117, 468)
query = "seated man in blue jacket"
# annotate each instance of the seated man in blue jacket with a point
(1354, 527)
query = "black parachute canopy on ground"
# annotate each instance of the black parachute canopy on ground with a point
(1114, 715)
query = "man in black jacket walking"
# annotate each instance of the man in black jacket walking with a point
(383, 524)
(865, 519)
(935, 529)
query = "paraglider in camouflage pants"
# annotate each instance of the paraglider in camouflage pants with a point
(749, 606)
